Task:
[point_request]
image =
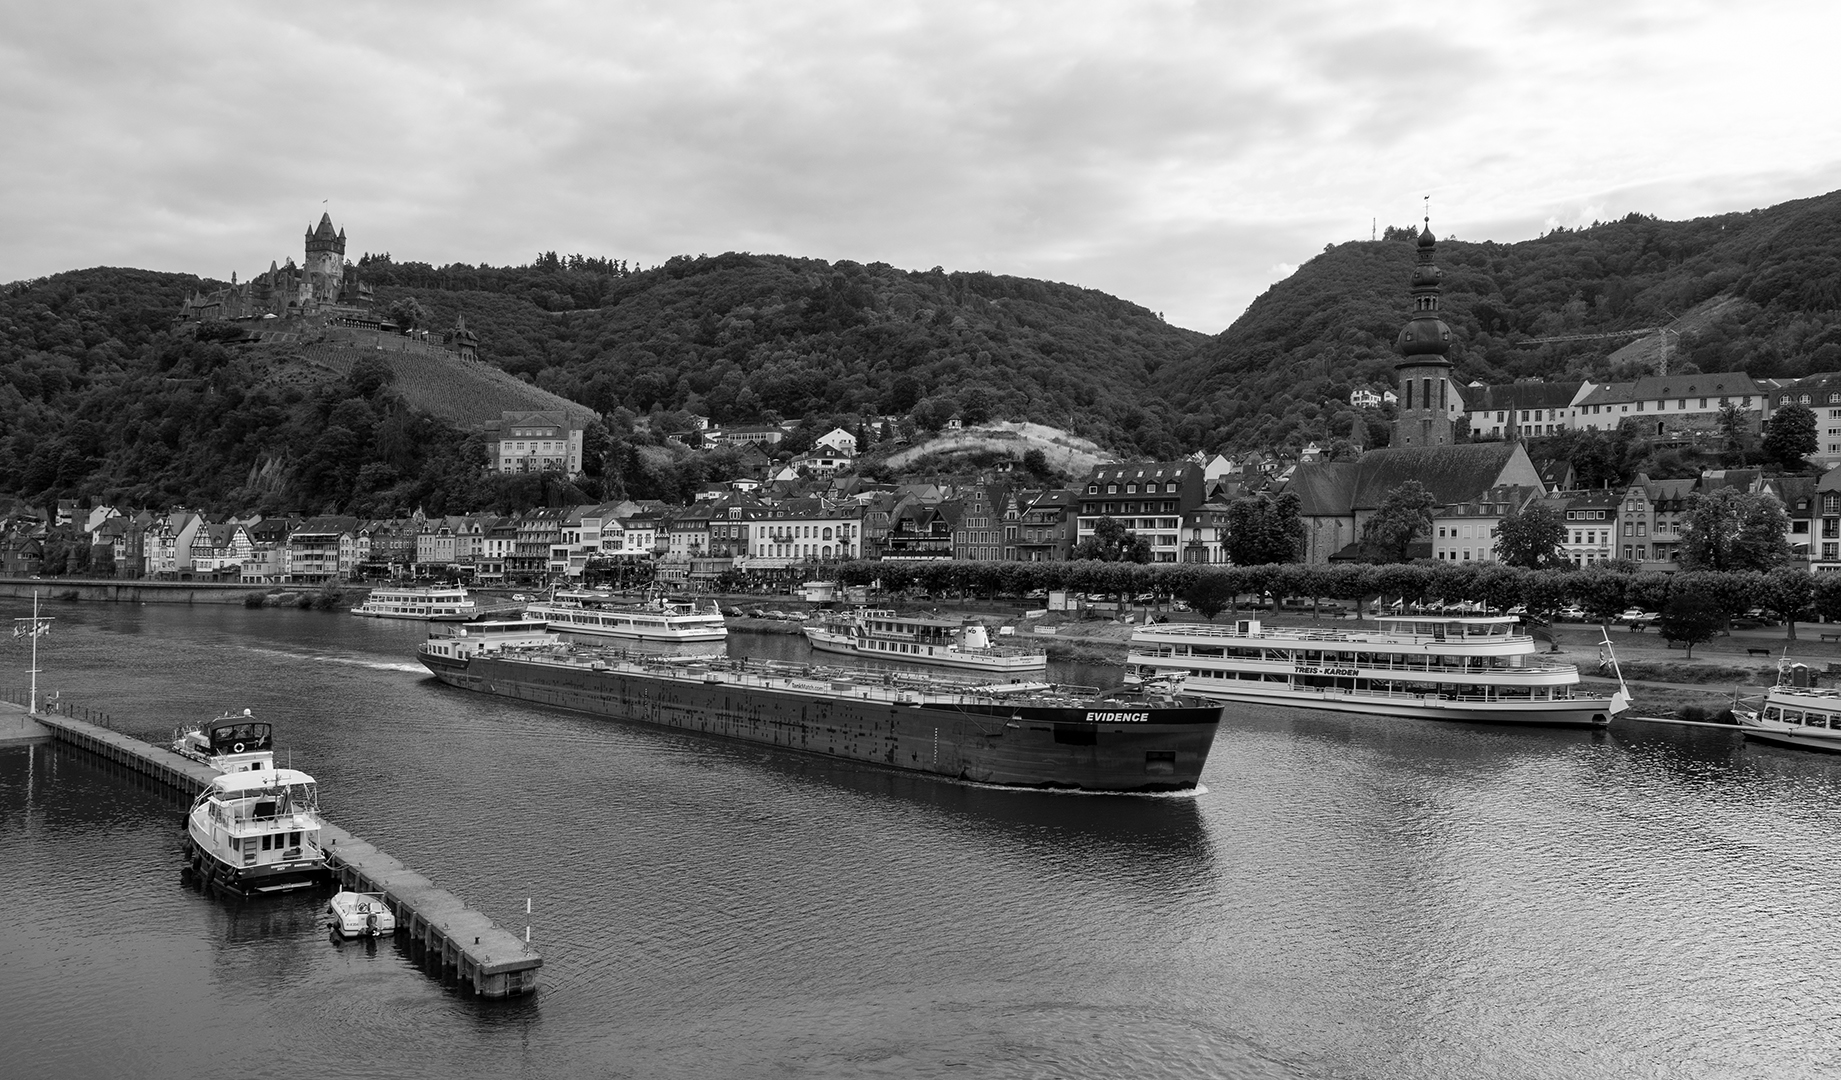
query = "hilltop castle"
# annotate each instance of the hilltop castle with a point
(325, 285)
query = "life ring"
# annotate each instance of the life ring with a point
(236, 748)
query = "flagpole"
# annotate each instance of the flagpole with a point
(32, 710)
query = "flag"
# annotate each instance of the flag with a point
(30, 629)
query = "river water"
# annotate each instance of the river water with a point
(1346, 899)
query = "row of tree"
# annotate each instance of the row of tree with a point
(1786, 594)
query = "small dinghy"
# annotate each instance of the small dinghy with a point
(356, 914)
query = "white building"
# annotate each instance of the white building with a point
(523, 442)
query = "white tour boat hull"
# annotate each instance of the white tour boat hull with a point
(1570, 712)
(1797, 716)
(832, 641)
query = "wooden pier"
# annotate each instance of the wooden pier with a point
(450, 939)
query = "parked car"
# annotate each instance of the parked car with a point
(1634, 616)
(1571, 613)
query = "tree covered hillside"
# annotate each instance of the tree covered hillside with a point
(1758, 291)
(750, 337)
(101, 398)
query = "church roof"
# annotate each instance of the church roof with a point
(1452, 474)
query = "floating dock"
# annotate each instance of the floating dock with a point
(447, 937)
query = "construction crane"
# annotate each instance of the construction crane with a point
(1593, 337)
(1661, 362)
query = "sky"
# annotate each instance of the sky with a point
(1182, 155)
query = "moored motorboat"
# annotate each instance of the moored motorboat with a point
(1806, 717)
(257, 831)
(234, 742)
(355, 914)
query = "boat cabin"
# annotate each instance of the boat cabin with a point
(231, 743)
(1451, 628)
(255, 818)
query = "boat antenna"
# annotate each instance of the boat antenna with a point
(33, 628)
(1620, 700)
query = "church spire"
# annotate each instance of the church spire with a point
(1424, 370)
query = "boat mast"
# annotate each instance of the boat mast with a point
(33, 628)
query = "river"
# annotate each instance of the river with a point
(1347, 898)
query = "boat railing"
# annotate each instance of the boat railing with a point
(1424, 663)
(1295, 633)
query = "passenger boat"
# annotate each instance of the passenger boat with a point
(231, 743)
(355, 914)
(257, 831)
(432, 603)
(659, 621)
(1029, 734)
(878, 634)
(1806, 717)
(1479, 669)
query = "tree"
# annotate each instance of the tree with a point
(1532, 538)
(1732, 427)
(1263, 529)
(1729, 529)
(1113, 542)
(1209, 593)
(408, 313)
(1691, 619)
(1790, 435)
(1788, 593)
(1403, 516)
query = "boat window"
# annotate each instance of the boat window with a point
(1815, 719)
(1792, 716)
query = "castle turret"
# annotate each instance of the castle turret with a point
(325, 266)
(1424, 371)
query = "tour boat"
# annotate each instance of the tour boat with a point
(1807, 717)
(659, 621)
(878, 634)
(231, 743)
(356, 914)
(257, 831)
(1480, 669)
(444, 603)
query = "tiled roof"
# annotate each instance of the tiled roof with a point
(1521, 395)
(1451, 473)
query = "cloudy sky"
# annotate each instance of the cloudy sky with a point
(1183, 155)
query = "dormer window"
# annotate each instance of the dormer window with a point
(1112, 489)
(1131, 489)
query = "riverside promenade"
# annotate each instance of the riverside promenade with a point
(448, 938)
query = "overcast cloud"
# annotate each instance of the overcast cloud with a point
(1181, 155)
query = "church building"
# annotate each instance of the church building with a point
(1338, 497)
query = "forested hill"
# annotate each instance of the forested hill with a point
(745, 337)
(1758, 291)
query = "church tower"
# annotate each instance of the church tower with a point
(324, 277)
(1424, 372)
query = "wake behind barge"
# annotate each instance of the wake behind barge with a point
(1022, 734)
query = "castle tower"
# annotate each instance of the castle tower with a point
(324, 278)
(1424, 373)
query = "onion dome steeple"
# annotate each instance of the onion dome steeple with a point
(1424, 370)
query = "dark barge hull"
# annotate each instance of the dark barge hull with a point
(1109, 747)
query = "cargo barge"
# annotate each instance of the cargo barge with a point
(1025, 734)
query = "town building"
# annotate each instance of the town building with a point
(1150, 500)
(1675, 407)
(1046, 531)
(1526, 409)
(1467, 531)
(527, 442)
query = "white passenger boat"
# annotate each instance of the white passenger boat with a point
(659, 621)
(257, 831)
(234, 742)
(1482, 669)
(878, 634)
(355, 914)
(1806, 717)
(440, 603)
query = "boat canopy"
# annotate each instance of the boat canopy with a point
(243, 783)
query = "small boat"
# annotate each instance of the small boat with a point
(1806, 717)
(441, 603)
(818, 592)
(877, 634)
(257, 831)
(234, 742)
(356, 914)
